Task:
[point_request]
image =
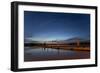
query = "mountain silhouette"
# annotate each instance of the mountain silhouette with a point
(70, 40)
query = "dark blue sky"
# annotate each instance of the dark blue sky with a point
(55, 26)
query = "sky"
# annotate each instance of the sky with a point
(47, 26)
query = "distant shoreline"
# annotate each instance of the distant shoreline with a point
(71, 46)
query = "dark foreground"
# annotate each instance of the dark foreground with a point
(44, 54)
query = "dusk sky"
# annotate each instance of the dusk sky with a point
(55, 26)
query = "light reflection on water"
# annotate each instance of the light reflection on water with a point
(39, 54)
(47, 51)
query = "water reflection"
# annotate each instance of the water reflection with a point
(41, 54)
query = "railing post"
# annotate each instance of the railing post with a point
(78, 43)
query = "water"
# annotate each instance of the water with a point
(43, 54)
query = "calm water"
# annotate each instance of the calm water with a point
(42, 54)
